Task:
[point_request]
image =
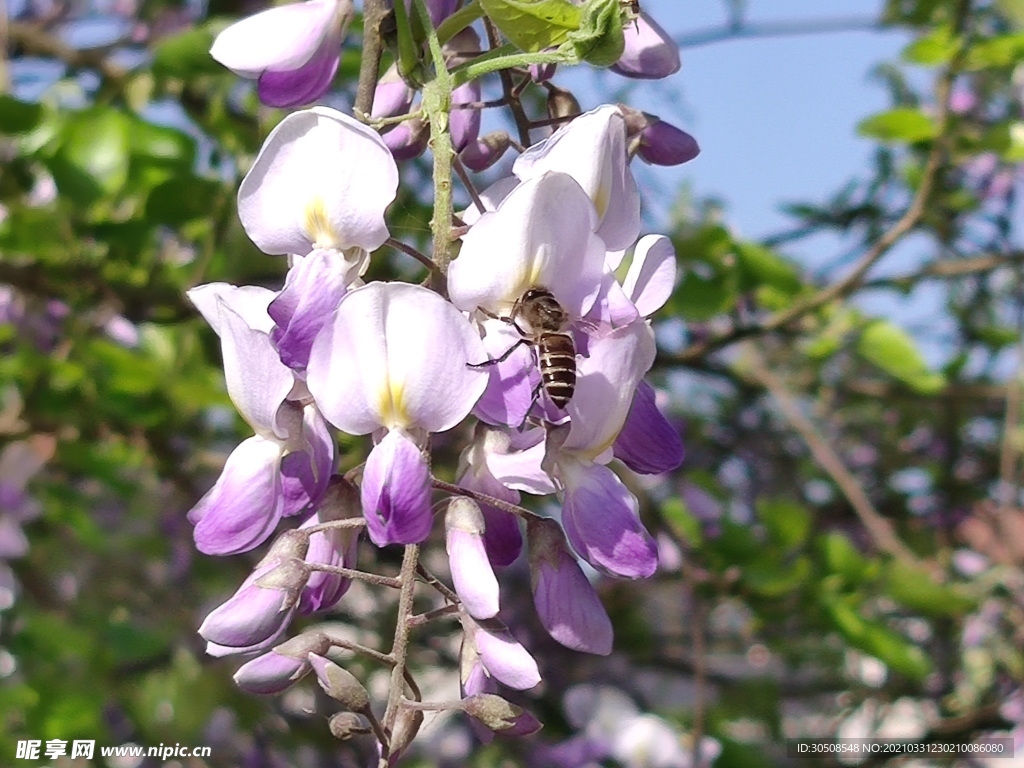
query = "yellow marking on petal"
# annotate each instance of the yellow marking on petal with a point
(602, 197)
(317, 225)
(392, 406)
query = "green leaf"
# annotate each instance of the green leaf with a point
(842, 558)
(762, 266)
(901, 125)
(1013, 10)
(997, 52)
(914, 587)
(774, 579)
(788, 523)
(187, 54)
(682, 522)
(181, 199)
(92, 158)
(891, 648)
(18, 116)
(600, 40)
(710, 283)
(161, 145)
(936, 48)
(534, 25)
(889, 347)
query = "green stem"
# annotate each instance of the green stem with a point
(507, 57)
(459, 20)
(407, 57)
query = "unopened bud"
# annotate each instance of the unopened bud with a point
(407, 725)
(561, 104)
(407, 140)
(289, 545)
(500, 716)
(300, 646)
(340, 684)
(345, 725)
(341, 500)
(481, 154)
(662, 143)
(289, 576)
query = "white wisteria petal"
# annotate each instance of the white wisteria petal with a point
(321, 180)
(522, 470)
(491, 198)
(257, 381)
(605, 384)
(652, 274)
(248, 301)
(592, 149)
(396, 355)
(541, 235)
(281, 38)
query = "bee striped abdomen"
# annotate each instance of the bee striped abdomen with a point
(556, 353)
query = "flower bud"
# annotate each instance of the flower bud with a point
(407, 140)
(481, 154)
(336, 546)
(662, 143)
(474, 579)
(500, 716)
(541, 73)
(561, 103)
(499, 654)
(340, 684)
(407, 725)
(649, 53)
(270, 673)
(345, 725)
(392, 96)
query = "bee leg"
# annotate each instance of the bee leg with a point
(503, 358)
(533, 402)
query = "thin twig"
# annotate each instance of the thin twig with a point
(880, 529)
(437, 584)
(349, 573)
(474, 195)
(508, 88)
(483, 498)
(374, 12)
(400, 648)
(1009, 453)
(445, 611)
(423, 259)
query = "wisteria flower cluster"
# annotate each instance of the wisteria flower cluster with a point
(532, 345)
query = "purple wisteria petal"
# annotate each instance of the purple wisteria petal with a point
(396, 492)
(648, 443)
(592, 149)
(305, 473)
(338, 547)
(662, 143)
(604, 388)
(312, 291)
(280, 39)
(511, 382)
(321, 180)
(506, 660)
(613, 309)
(13, 542)
(245, 504)
(392, 96)
(252, 616)
(472, 575)
(257, 381)
(465, 122)
(523, 470)
(485, 151)
(407, 140)
(502, 538)
(652, 274)
(650, 53)
(542, 234)
(601, 518)
(302, 86)
(567, 604)
(20, 461)
(270, 673)
(397, 356)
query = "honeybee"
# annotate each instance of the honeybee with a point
(542, 324)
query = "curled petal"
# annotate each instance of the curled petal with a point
(270, 673)
(652, 274)
(601, 519)
(650, 52)
(506, 660)
(257, 381)
(250, 617)
(302, 86)
(396, 492)
(592, 149)
(472, 574)
(542, 234)
(250, 302)
(245, 504)
(396, 355)
(567, 604)
(522, 470)
(648, 443)
(604, 388)
(280, 39)
(312, 291)
(321, 180)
